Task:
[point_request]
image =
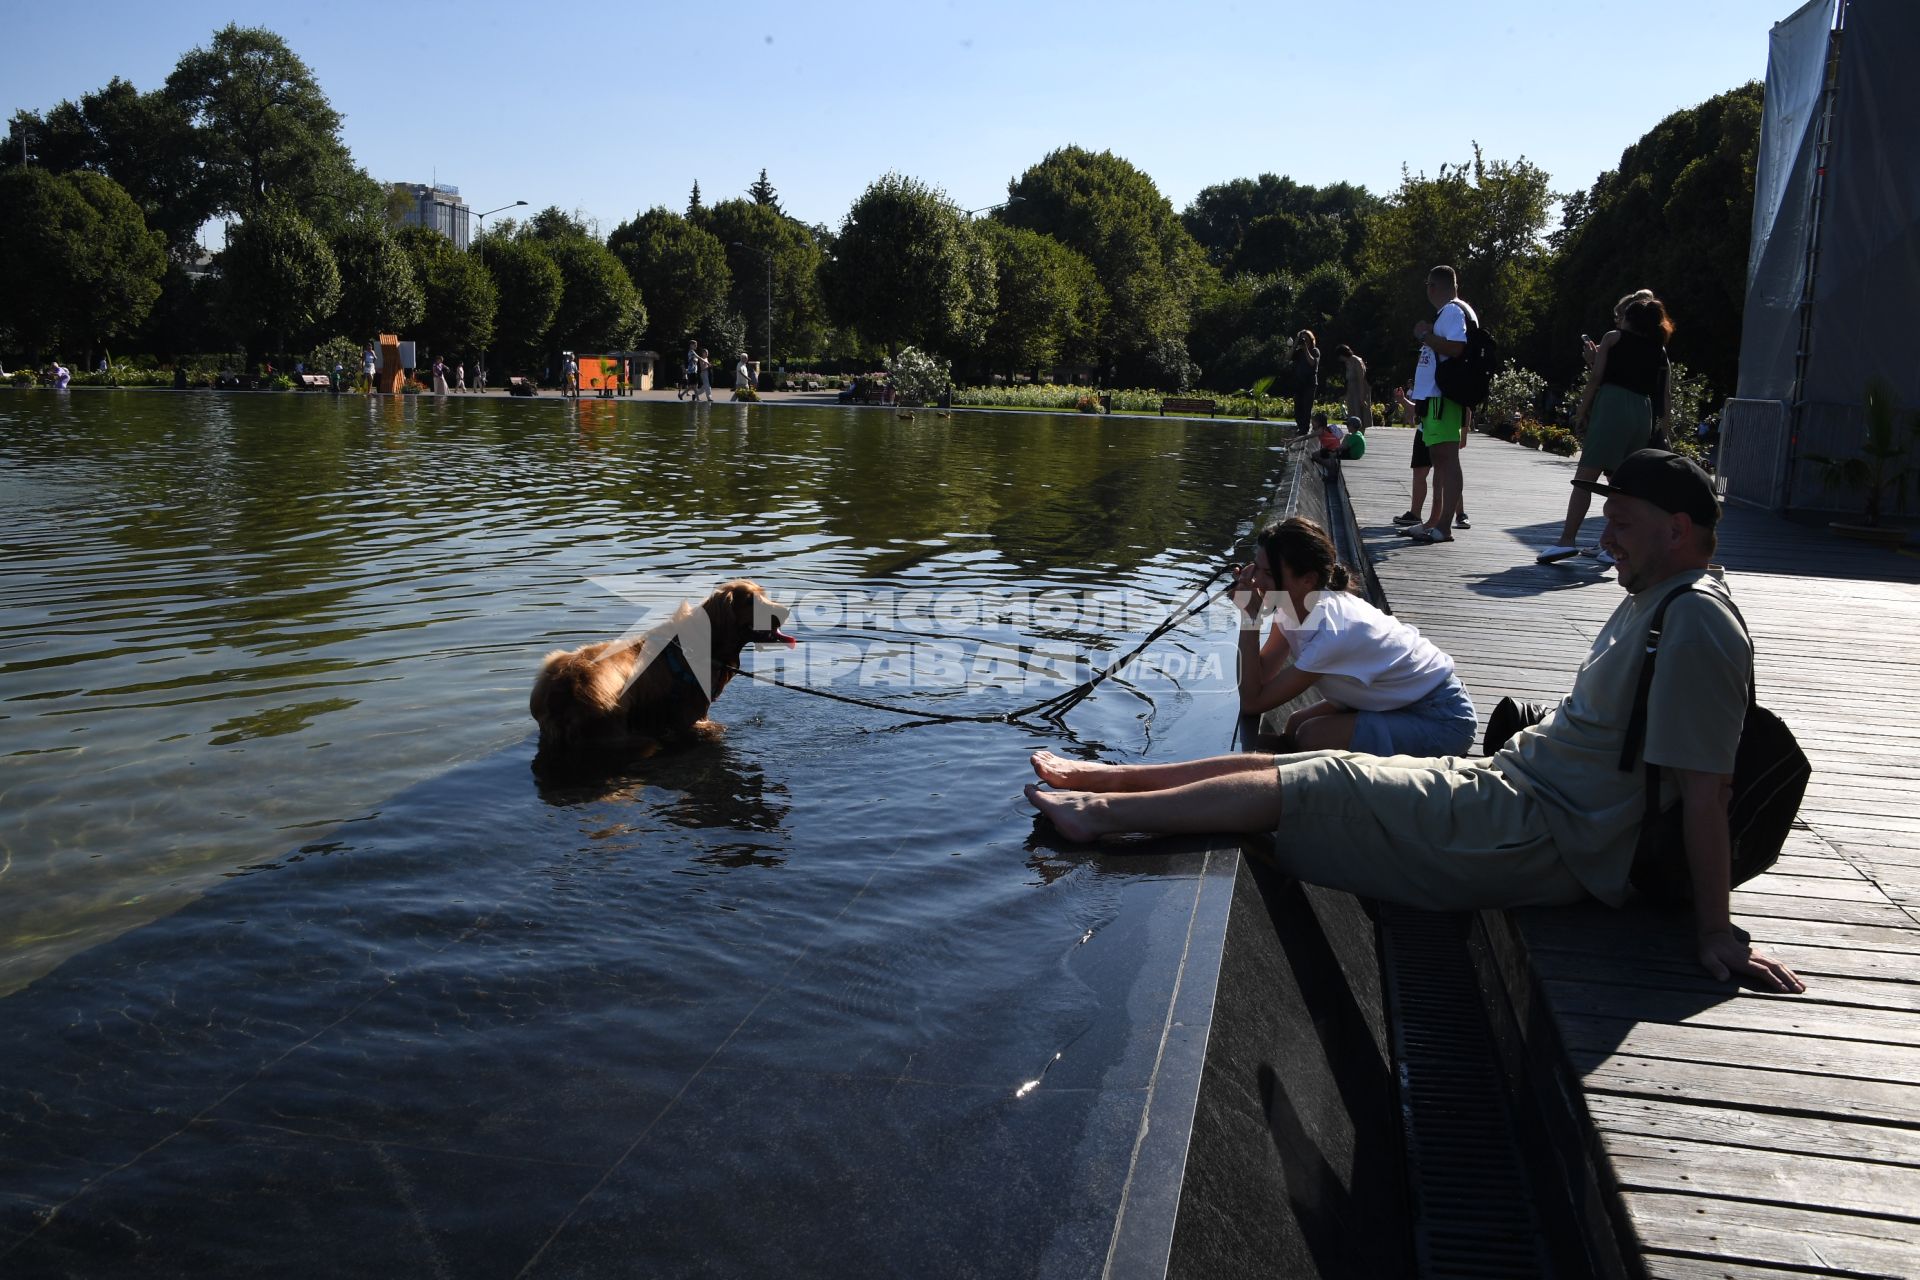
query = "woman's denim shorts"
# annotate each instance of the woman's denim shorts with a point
(1441, 723)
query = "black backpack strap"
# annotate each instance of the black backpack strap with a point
(1637, 722)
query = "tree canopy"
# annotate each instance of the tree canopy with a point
(680, 269)
(77, 263)
(902, 269)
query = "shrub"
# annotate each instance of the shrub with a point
(917, 377)
(276, 382)
(746, 393)
(1513, 394)
(1087, 404)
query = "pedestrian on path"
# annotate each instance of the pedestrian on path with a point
(1443, 422)
(706, 377)
(460, 385)
(1628, 391)
(690, 371)
(1359, 395)
(370, 365)
(1304, 378)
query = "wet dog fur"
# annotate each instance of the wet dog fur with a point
(628, 697)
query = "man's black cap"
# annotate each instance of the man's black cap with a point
(1667, 480)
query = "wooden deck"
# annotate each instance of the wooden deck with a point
(1730, 1133)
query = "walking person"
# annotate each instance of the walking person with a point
(480, 377)
(1628, 391)
(439, 376)
(1304, 377)
(689, 371)
(741, 378)
(1359, 395)
(460, 384)
(1443, 422)
(706, 377)
(370, 365)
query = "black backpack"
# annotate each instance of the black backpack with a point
(1770, 775)
(1466, 378)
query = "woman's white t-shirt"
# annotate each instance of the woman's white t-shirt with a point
(1367, 660)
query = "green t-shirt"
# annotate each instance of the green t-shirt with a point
(1570, 762)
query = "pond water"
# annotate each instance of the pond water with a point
(284, 911)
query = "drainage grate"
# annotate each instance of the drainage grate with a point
(1473, 1209)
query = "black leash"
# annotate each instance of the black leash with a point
(1050, 709)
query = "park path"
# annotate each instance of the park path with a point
(1731, 1133)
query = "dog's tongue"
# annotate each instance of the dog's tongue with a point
(786, 639)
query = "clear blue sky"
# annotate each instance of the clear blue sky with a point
(612, 109)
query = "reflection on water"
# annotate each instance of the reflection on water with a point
(225, 620)
(264, 663)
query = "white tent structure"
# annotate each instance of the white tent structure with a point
(1833, 274)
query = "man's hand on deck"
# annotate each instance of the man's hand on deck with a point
(1726, 954)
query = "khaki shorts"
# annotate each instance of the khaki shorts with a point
(1448, 833)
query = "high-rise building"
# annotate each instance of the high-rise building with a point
(440, 208)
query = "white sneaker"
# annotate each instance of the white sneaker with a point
(1553, 555)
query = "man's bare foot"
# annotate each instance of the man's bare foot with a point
(1074, 814)
(1078, 775)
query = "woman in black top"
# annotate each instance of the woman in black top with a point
(1305, 377)
(1627, 392)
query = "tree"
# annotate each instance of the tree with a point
(379, 290)
(1486, 220)
(747, 230)
(459, 294)
(679, 269)
(552, 225)
(77, 264)
(1111, 213)
(599, 309)
(900, 268)
(1225, 220)
(761, 192)
(1675, 217)
(1049, 304)
(528, 285)
(279, 278)
(694, 206)
(262, 127)
(145, 142)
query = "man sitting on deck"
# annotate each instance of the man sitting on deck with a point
(1550, 818)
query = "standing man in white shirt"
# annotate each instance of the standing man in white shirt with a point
(1443, 422)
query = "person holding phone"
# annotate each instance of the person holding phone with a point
(1628, 391)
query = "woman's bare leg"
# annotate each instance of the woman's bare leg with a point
(1245, 801)
(1092, 775)
(1577, 506)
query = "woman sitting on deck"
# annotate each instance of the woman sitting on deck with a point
(1384, 688)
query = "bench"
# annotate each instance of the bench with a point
(1186, 404)
(314, 382)
(519, 387)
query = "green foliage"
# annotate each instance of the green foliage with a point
(599, 309)
(1513, 394)
(680, 270)
(261, 124)
(761, 192)
(750, 230)
(747, 394)
(901, 268)
(342, 351)
(1268, 224)
(551, 226)
(724, 334)
(77, 264)
(1676, 217)
(1881, 465)
(1112, 214)
(460, 297)
(379, 288)
(917, 377)
(1049, 303)
(1322, 295)
(278, 275)
(528, 286)
(1688, 391)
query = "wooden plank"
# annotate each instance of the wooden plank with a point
(1891, 989)
(1826, 1243)
(1774, 1017)
(1673, 1266)
(1748, 902)
(1644, 1163)
(1590, 1040)
(1732, 1124)
(1666, 1081)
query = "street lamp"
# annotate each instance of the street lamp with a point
(989, 208)
(767, 356)
(482, 217)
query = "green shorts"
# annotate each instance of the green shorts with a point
(1442, 421)
(1446, 833)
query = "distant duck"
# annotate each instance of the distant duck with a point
(907, 416)
(944, 413)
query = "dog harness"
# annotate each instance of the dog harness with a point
(677, 664)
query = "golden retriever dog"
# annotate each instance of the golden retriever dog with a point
(635, 696)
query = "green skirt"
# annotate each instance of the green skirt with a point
(1619, 423)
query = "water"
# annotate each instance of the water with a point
(279, 891)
